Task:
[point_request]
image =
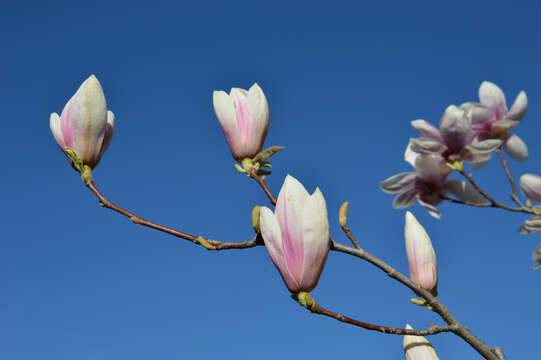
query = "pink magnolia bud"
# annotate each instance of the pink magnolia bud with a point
(85, 125)
(418, 348)
(297, 235)
(530, 185)
(244, 117)
(421, 256)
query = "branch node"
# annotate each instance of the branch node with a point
(205, 243)
(136, 220)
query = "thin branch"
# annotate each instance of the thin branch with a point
(263, 184)
(514, 195)
(454, 325)
(483, 349)
(469, 203)
(209, 244)
(493, 202)
(342, 219)
(315, 308)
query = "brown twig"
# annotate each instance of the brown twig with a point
(209, 244)
(483, 349)
(309, 303)
(492, 201)
(342, 219)
(454, 325)
(514, 195)
(263, 184)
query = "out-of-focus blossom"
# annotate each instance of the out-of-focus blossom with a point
(455, 140)
(496, 125)
(532, 225)
(536, 256)
(85, 125)
(427, 183)
(421, 256)
(418, 348)
(297, 235)
(244, 117)
(530, 185)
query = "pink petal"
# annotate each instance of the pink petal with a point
(272, 236)
(289, 206)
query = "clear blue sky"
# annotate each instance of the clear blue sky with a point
(343, 81)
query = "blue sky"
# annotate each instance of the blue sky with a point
(343, 81)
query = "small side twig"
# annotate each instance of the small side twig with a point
(514, 194)
(263, 184)
(342, 218)
(209, 244)
(304, 299)
(492, 201)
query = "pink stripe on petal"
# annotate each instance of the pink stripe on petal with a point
(292, 242)
(65, 124)
(243, 117)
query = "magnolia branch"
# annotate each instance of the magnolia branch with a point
(263, 184)
(491, 201)
(431, 301)
(209, 244)
(514, 195)
(304, 299)
(456, 327)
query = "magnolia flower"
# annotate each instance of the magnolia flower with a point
(244, 117)
(455, 140)
(297, 235)
(426, 184)
(421, 256)
(501, 120)
(85, 125)
(418, 348)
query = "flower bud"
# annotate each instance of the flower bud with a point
(421, 256)
(244, 117)
(530, 185)
(418, 348)
(297, 235)
(85, 125)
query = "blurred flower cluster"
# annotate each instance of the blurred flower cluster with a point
(467, 133)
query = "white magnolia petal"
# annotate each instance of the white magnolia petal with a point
(464, 191)
(418, 348)
(531, 225)
(405, 199)
(425, 145)
(479, 147)
(88, 119)
(398, 183)
(427, 130)
(54, 124)
(420, 253)
(515, 147)
(109, 130)
(316, 240)
(530, 185)
(492, 96)
(519, 107)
